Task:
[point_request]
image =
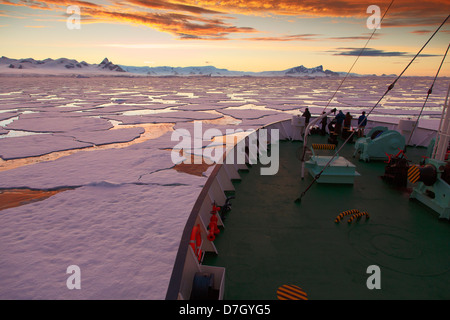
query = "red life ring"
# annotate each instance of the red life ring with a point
(196, 242)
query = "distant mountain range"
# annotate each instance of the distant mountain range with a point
(58, 66)
(65, 66)
(300, 71)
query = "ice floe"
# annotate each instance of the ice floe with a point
(123, 237)
(106, 136)
(34, 123)
(37, 145)
(125, 165)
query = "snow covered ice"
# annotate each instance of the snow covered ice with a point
(108, 140)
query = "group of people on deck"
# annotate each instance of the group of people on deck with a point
(340, 121)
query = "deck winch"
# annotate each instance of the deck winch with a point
(396, 170)
(433, 185)
(379, 144)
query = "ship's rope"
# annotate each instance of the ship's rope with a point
(357, 58)
(428, 95)
(391, 86)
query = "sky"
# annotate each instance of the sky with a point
(238, 35)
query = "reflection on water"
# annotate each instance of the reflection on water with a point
(19, 133)
(251, 107)
(11, 198)
(152, 131)
(4, 123)
(147, 111)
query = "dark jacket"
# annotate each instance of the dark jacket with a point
(307, 116)
(340, 117)
(362, 120)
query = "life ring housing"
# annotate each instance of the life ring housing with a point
(196, 242)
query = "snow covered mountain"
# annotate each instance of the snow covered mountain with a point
(181, 71)
(302, 71)
(64, 66)
(108, 65)
(299, 71)
(58, 66)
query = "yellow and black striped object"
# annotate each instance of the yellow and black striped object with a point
(323, 146)
(413, 174)
(291, 292)
(345, 213)
(358, 215)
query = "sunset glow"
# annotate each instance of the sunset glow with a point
(239, 35)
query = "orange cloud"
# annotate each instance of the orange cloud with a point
(343, 8)
(167, 5)
(182, 25)
(184, 21)
(209, 19)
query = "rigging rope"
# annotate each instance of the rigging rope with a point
(426, 99)
(359, 55)
(391, 86)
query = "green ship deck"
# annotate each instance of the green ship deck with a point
(270, 240)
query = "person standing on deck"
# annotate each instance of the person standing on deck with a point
(362, 122)
(339, 120)
(307, 116)
(348, 121)
(324, 122)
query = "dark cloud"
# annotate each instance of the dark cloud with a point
(370, 52)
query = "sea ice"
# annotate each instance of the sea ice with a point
(248, 113)
(164, 117)
(37, 145)
(107, 136)
(123, 237)
(58, 124)
(125, 165)
(172, 177)
(8, 115)
(141, 119)
(205, 106)
(193, 115)
(255, 123)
